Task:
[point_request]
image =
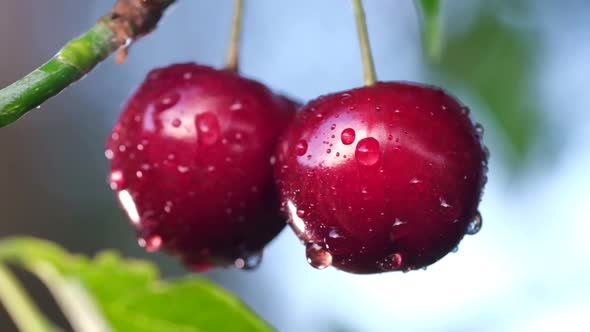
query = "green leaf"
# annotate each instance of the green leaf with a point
(431, 28)
(128, 293)
(494, 61)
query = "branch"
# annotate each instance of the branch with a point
(127, 21)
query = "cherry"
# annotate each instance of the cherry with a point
(190, 162)
(382, 178)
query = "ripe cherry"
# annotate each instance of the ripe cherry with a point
(190, 162)
(381, 178)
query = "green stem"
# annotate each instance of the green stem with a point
(25, 314)
(127, 21)
(231, 60)
(369, 75)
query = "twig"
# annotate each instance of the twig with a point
(127, 21)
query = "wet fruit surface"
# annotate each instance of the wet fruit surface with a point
(190, 162)
(382, 178)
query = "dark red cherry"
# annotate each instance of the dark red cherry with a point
(190, 162)
(381, 178)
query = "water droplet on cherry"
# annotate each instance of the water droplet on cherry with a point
(414, 180)
(249, 262)
(167, 102)
(168, 207)
(345, 98)
(391, 263)
(317, 256)
(208, 128)
(334, 234)
(479, 129)
(444, 203)
(348, 136)
(109, 154)
(398, 222)
(475, 225)
(236, 106)
(116, 180)
(301, 148)
(150, 243)
(367, 151)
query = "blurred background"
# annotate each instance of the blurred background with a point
(522, 66)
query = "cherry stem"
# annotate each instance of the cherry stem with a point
(231, 59)
(369, 75)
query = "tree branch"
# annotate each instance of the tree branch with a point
(127, 21)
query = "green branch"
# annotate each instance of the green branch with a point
(127, 21)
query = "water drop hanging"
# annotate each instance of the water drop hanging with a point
(318, 257)
(249, 262)
(391, 263)
(150, 243)
(475, 225)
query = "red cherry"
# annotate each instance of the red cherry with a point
(381, 178)
(190, 162)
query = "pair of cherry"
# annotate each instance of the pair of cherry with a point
(208, 165)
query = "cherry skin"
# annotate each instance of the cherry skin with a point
(382, 178)
(190, 162)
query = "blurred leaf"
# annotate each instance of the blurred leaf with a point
(128, 292)
(431, 28)
(495, 62)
